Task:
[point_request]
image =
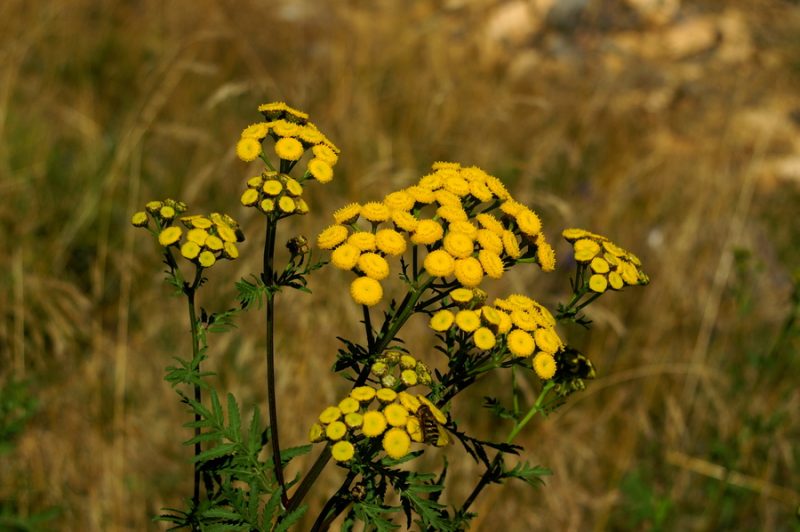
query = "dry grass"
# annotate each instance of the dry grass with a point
(688, 158)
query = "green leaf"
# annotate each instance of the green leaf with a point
(291, 518)
(215, 452)
(292, 452)
(234, 419)
(268, 514)
(531, 475)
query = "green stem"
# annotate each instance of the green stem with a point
(190, 291)
(268, 277)
(492, 471)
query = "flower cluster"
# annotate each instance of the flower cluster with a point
(609, 265)
(293, 135)
(274, 192)
(399, 419)
(205, 239)
(526, 328)
(395, 367)
(464, 238)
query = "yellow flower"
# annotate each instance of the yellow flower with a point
(336, 430)
(302, 206)
(544, 315)
(497, 187)
(347, 214)
(363, 394)
(505, 322)
(226, 233)
(519, 300)
(353, 420)
(628, 273)
(427, 232)
(396, 415)
(437, 414)
(249, 197)
(169, 236)
(407, 361)
(490, 223)
(599, 265)
(489, 241)
(598, 283)
(366, 291)
(229, 250)
(386, 395)
(272, 187)
(480, 191)
(468, 320)
(409, 401)
(490, 315)
(320, 170)
(332, 236)
(255, 182)
(473, 174)
(363, 240)
(484, 338)
(574, 234)
(139, 219)
(439, 263)
(167, 212)
(544, 365)
(256, 131)
(546, 256)
(273, 109)
(615, 281)
(315, 433)
(293, 187)
(283, 128)
(459, 245)
(286, 204)
(431, 181)
(267, 205)
(248, 149)
(342, 451)
(375, 211)
(523, 320)
(463, 226)
(442, 320)
(345, 256)
(520, 343)
(390, 242)
(325, 154)
(374, 266)
(348, 405)
(198, 236)
(585, 249)
(528, 222)
(456, 185)
(405, 220)
(511, 207)
(153, 206)
(374, 424)
(547, 340)
(461, 295)
(399, 200)
(446, 198)
(289, 149)
(409, 377)
(396, 443)
(414, 429)
(421, 194)
(330, 414)
(206, 259)
(445, 165)
(190, 250)
(492, 263)
(469, 272)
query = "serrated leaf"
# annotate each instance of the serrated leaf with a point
(291, 518)
(268, 514)
(215, 452)
(292, 452)
(234, 419)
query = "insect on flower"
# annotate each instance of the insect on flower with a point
(432, 432)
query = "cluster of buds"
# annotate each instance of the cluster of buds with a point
(399, 418)
(395, 368)
(608, 265)
(517, 323)
(462, 236)
(203, 239)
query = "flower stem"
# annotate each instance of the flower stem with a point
(268, 277)
(190, 291)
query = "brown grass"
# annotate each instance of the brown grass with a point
(684, 157)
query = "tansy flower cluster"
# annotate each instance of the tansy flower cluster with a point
(203, 239)
(526, 328)
(608, 265)
(463, 237)
(395, 367)
(272, 192)
(399, 418)
(293, 135)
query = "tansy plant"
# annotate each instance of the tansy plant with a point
(443, 239)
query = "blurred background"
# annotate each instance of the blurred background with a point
(673, 127)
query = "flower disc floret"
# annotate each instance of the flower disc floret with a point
(167, 212)
(523, 320)
(190, 250)
(469, 272)
(480, 191)
(363, 394)
(439, 263)
(353, 420)
(374, 266)
(390, 242)
(272, 187)
(139, 219)
(585, 249)
(405, 221)
(484, 338)
(373, 424)
(347, 214)
(547, 340)
(325, 153)
(489, 241)
(497, 187)
(544, 365)
(599, 265)
(169, 236)
(335, 431)
(420, 194)
(342, 451)
(456, 185)
(256, 131)
(229, 249)
(442, 320)
(399, 200)
(363, 240)
(427, 232)
(396, 414)
(366, 291)
(286, 204)
(615, 281)
(320, 170)
(332, 236)
(546, 256)
(345, 256)
(248, 149)
(598, 283)
(520, 343)
(459, 245)
(409, 377)
(294, 188)
(396, 443)
(491, 263)
(315, 433)
(528, 222)
(289, 149)
(375, 211)
(249, 197)
(329, 415)
(447, 199)
(468, 320)
(386, 395)
(348, 405)
(462, 295)
(511, 207)
(490, 223)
